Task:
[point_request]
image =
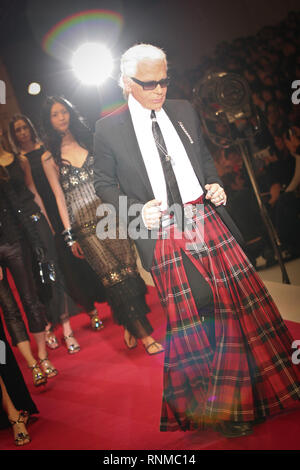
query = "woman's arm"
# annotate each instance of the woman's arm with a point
(51, 171)
(31, 186)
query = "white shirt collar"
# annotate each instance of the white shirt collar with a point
(139, 110)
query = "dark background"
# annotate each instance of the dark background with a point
(187, 31)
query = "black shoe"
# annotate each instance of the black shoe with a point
(234, 429)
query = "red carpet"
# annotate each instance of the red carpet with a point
(107, 397)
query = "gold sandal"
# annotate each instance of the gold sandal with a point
(157, 347)
(129, 340)
(48, 368)
(72, 348)
(96, 323)
(38, 377)
(20, 437)
(51, 340)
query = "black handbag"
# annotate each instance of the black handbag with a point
(47, 272)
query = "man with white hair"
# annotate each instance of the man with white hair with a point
(227, 361)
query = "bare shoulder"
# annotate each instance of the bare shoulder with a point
(22, 158)
(23, 161)
(49, 163)
(47, 157)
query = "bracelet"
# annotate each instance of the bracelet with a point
(69, 236)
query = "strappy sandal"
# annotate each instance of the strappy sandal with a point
(157, 346)
(20, 437)
(130, 340)
(72, 348)
(96, 323)
(48, 368)
(38, 377)
(51, 340)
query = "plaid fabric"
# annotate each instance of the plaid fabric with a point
(249, 374)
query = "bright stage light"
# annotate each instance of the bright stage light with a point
(92, 63)
(34, 88)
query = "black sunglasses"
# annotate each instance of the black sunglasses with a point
(153, 84)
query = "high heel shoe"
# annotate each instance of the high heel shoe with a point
(130, 340)
(96, 323)
(72, 348)
(48, 368)
(20, 436)
(51, 340)
(38, 377)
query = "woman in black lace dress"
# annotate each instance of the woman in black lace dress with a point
(69, 167)
(59, 306)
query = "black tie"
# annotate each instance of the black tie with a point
(173, 193)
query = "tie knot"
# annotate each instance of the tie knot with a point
(153, 115)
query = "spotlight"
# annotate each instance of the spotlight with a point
(34, 88)
(92, 63)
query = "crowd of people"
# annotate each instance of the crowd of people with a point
(270, 62)
(55, 226)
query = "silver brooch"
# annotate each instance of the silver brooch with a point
(186, 132)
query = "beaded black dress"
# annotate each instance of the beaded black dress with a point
(81, 282)
(113, 260)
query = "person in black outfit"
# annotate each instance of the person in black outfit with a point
(17, 209)
(79, 279)
(281, 181)
(68, 165)
(16, 404)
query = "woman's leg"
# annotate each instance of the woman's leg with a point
(25, 349)
(23, 278)
(20, 432)
(11, 313)
(126, 297)
(34, 311)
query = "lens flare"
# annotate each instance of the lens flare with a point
(95, 25)
(92, 63)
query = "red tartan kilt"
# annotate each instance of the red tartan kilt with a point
(250, 373)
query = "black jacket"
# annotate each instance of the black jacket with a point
(120, 169)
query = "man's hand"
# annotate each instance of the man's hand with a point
(216, 194)
(151, 214)
(1, 274)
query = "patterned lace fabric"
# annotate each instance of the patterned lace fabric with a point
(81, 199)
(112, 259)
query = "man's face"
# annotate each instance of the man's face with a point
(147, 71)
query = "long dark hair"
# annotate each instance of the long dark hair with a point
(78, 128)
(12, 132)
